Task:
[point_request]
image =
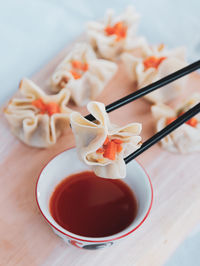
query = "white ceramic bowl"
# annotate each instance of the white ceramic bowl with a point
(67, 163)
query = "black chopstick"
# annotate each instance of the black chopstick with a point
(149, 88)
(164, 132)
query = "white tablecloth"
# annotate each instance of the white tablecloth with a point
(32, 32)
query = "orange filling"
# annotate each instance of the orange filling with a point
(170, 120)
(110, 148)
(191, 122)
(79, 65)
(100, 150)
(78, 68)
(75, 74)
(40, 105)
(119, 29)
(152, 62)
(46, 108)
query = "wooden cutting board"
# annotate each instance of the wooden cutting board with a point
(25, 237)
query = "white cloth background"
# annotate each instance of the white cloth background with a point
(32, 32)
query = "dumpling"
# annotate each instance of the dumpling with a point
(83, 74)
(113, 35)
(153, 64)
(184, 139)
(103, 145)
(38, 119)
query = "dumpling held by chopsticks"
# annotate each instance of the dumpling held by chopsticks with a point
(103, 145)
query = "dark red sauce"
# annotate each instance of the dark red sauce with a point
(90, 206)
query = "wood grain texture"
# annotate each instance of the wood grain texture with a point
(25, 237)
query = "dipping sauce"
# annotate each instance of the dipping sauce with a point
(91, 206)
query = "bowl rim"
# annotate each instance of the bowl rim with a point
(88, 239)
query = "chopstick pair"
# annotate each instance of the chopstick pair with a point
(147, 89)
